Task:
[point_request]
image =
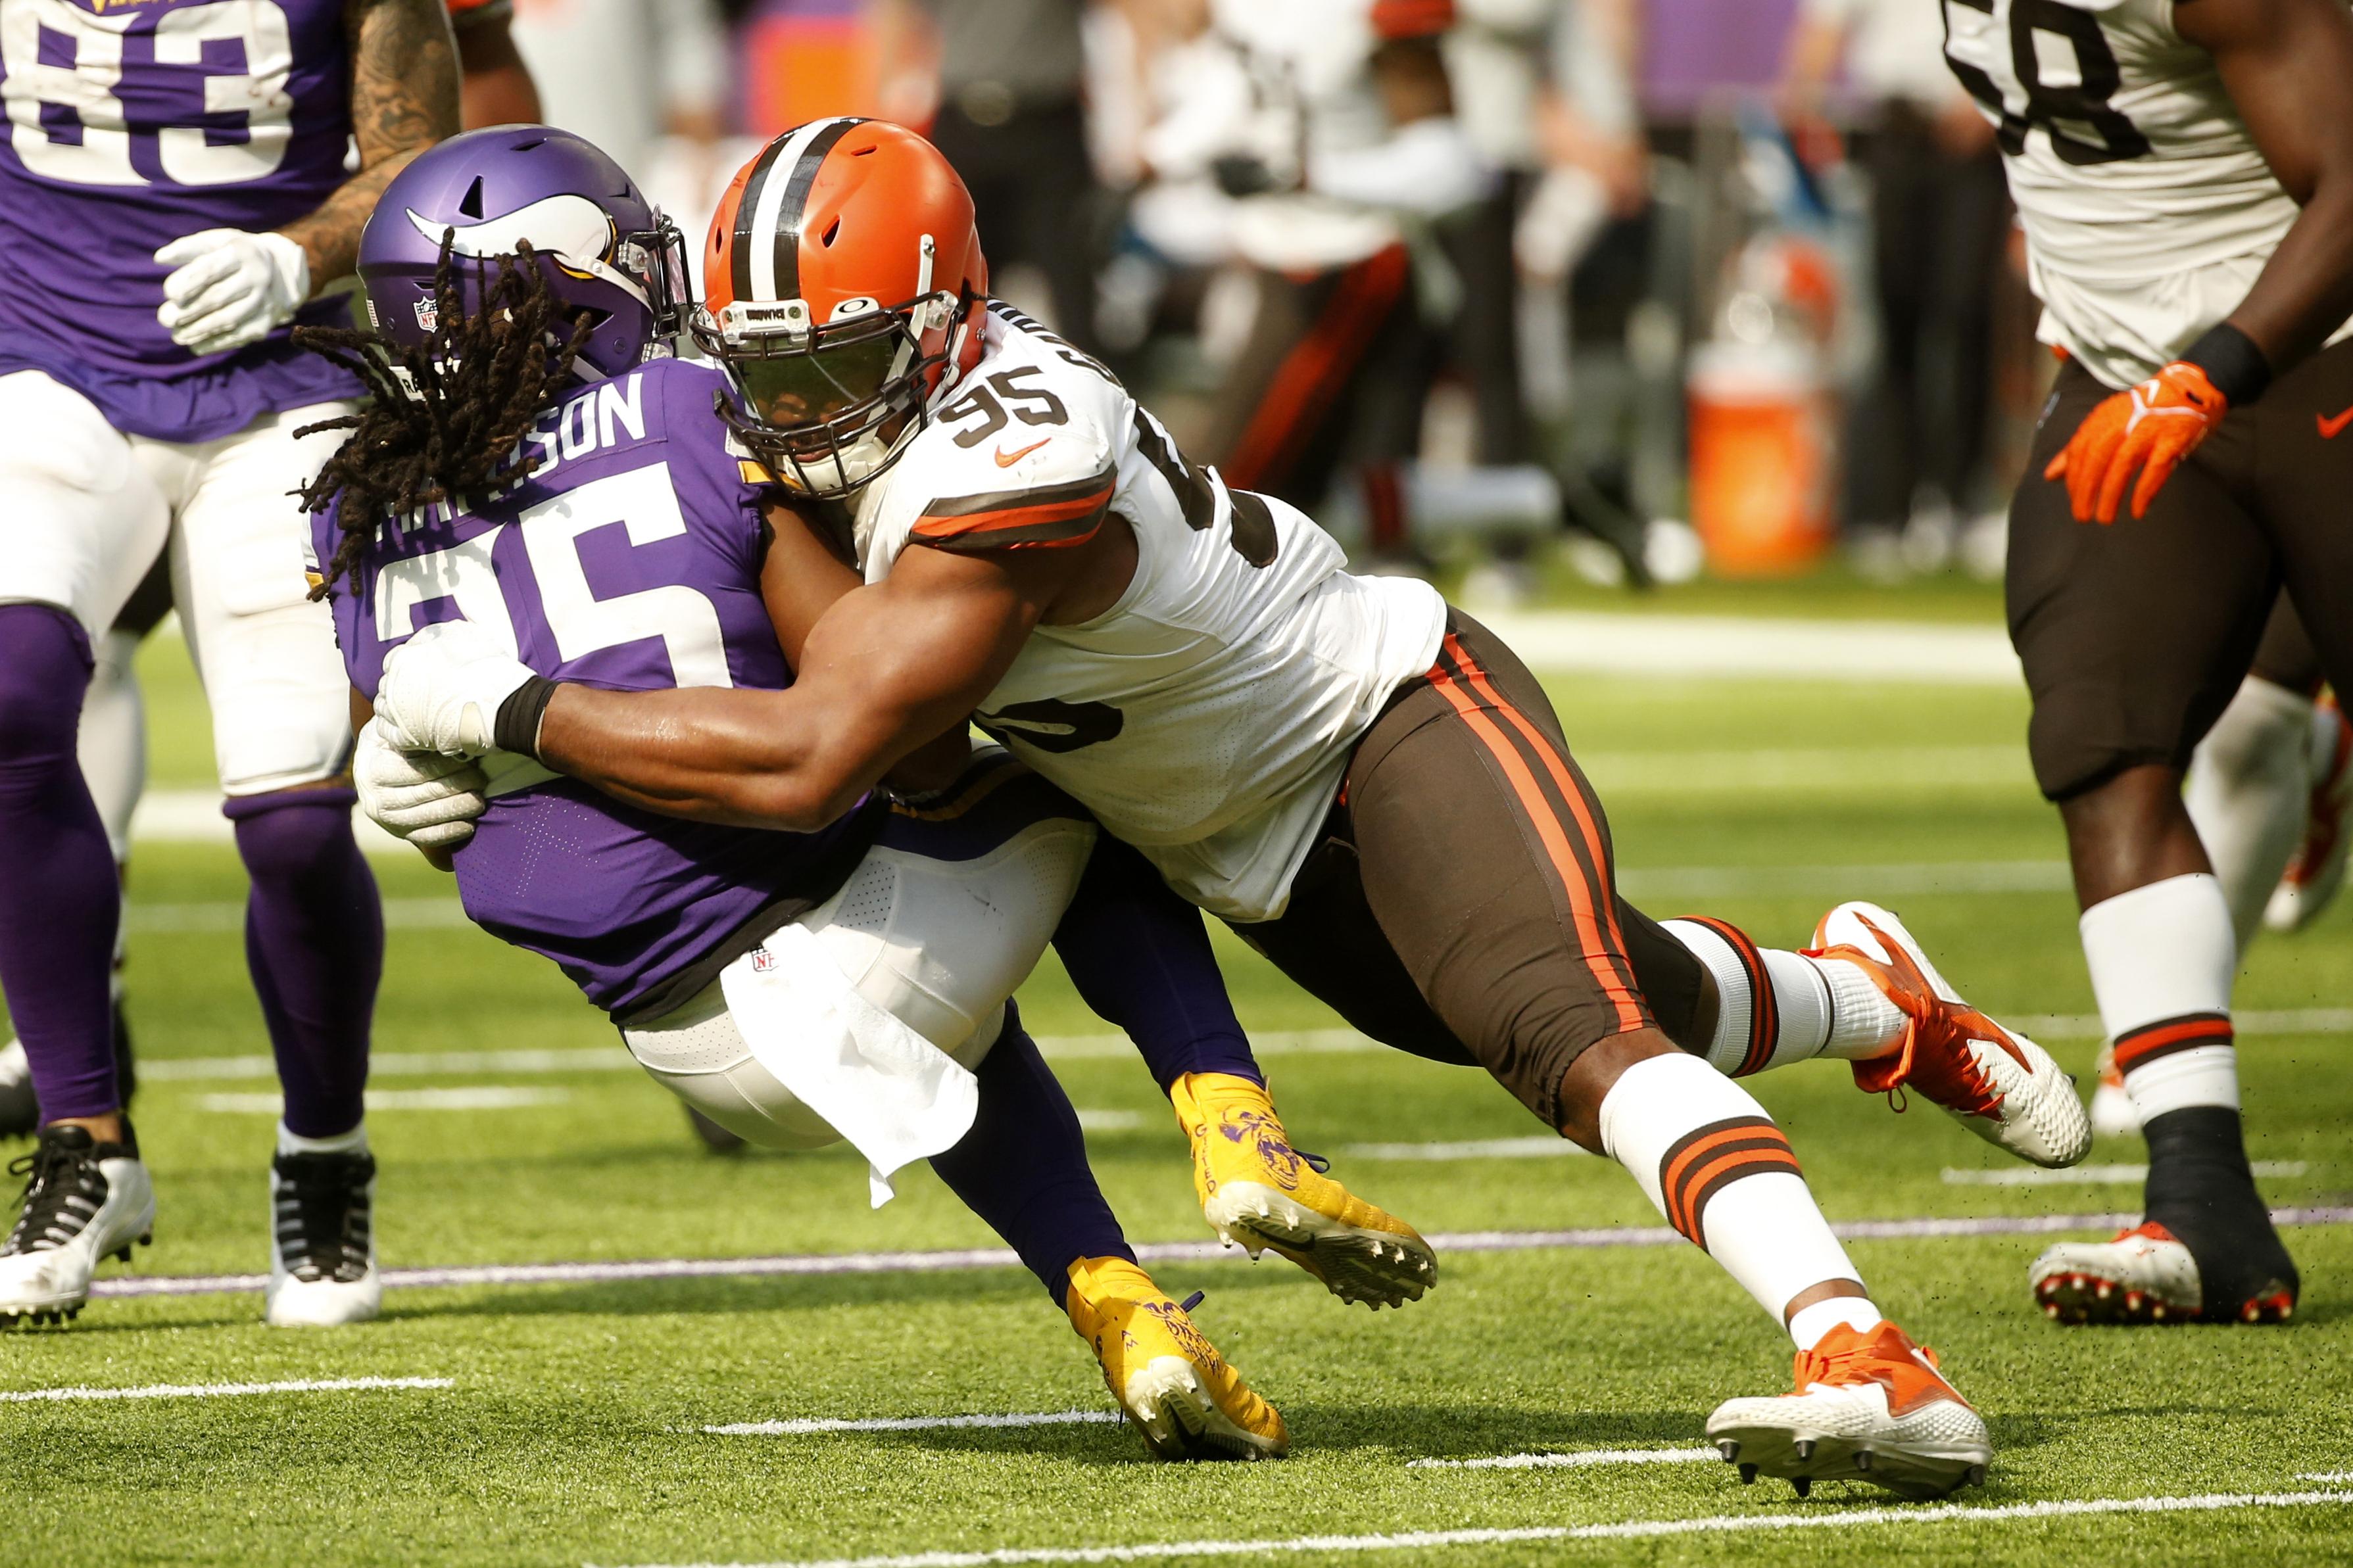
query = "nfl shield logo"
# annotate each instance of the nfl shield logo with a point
(429, 313)
(763, 961)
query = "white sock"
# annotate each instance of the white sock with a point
(2161, 958)
(355, 1142)
(1807, 1326)
(2248, 794)
(1713, 1163)
(1818, 1006)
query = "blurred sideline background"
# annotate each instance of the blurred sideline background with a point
(1618, 291)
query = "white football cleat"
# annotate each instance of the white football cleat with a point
(2316, 871)
(1868, 1407)
(323, 1270)
(1994, 1082)
(83, 1201)
(2111, 1112)
(2143, 1275)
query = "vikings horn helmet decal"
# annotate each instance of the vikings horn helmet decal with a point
(606, 251)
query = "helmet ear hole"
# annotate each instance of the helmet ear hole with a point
(470, 204)
(831, 229)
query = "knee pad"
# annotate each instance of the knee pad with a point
(282, 835)
(45, 665)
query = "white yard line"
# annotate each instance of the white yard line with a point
(2089, 1175)
(1536, 1148)
(1111, 1121)
(614, 1057)
(822, 1264)
(802, 1426)
(1629, 1530)
(1580, 642)
(1576, 1460)
(219, 1390)
(489, 1097)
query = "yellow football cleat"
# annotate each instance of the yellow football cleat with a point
(1169, 1381)
(1259, 1191)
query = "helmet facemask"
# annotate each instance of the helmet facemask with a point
(827, 407)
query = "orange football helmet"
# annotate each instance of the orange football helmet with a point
(840, 284)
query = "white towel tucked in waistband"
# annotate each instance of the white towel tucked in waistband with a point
(892, 1094)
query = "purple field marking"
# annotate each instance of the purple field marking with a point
(836, 1263)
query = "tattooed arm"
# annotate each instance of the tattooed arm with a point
(404, 98)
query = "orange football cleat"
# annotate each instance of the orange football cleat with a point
(1997, 1083)
(1869, 1406)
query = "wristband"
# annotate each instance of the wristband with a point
(2232, 362)
(516, 729)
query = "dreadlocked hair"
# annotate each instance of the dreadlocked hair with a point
(446, 419)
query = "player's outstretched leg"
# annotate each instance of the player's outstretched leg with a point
(1141, 959)
(314, 942)
(2162, 957)
(1868, 1405)
(1867, 993)
(1023, 1168)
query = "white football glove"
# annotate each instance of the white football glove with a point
(420, 797)
(228, 287)
(442, 687)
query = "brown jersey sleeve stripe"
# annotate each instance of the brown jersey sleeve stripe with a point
(1578, 812)
(1707, 1159)
(1764, 1008)
(1592, 913)
(2168, 1036)
(1044, 515)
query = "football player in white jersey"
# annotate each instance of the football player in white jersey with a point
(1368, 787)
(2184, 172)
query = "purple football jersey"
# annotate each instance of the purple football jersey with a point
(629, 560)
(129, 126)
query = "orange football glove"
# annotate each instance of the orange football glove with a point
(2153, 427)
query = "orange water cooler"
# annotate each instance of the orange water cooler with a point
(1762, 458)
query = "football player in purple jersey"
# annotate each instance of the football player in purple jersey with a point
(536, 468)
(173, 196)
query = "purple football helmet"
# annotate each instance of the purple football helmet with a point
(603, 248)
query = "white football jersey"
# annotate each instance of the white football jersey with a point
(1207, 716)
(2147, 209)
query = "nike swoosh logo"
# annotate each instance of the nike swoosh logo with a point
(2331, 428)
(1005, 459)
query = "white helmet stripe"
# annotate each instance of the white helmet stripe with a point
(770, 203)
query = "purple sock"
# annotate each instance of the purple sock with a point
(1023, 1166)
(59, 901)
(314, 941)
(1140, 957)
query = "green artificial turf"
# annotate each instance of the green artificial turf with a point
(571, 1429)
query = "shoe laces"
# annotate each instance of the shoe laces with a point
(64, 1189)
(322, 1216)
(1854, 1359)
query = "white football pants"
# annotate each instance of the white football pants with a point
(937, 942)
(90, 508)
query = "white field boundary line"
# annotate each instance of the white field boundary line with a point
(1597, 1237)
(219, 1390)
(802, 1426)
(1905, 879)
(2092, 1175)
(1089, 1047)
(1539, 1147)
(1576, 1458)
(1578, 642)
(1629, 1530)
(485, 1097)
